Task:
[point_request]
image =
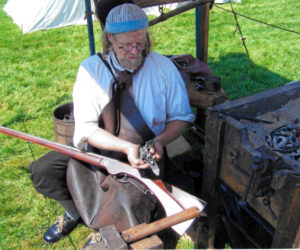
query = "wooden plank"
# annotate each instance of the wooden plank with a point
(141, 231)
(153, 242)
(177, 11)
(149, 3)
(288, 226)
(178, 147)
(297, 240)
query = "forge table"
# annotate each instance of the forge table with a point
(263, 181)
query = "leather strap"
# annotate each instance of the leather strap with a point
(122, 118)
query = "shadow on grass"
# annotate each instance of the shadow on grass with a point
(20, 116)
(239, 79)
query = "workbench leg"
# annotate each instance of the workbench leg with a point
(210, 182)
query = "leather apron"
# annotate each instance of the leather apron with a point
(102, 199)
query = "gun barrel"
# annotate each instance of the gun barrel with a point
(64, 149)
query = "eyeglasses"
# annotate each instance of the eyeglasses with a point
(128, 46)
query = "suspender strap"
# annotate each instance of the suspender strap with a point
(108, 66)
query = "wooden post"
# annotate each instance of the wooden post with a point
(202, 23)
(210, 180)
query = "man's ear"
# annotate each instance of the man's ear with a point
(110, 37)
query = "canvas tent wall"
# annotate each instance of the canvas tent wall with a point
(32, 15)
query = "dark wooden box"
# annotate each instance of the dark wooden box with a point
(236, 154)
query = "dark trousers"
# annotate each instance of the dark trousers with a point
(48, 175)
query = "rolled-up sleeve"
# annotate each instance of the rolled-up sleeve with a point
(87, 107)
(178, 106)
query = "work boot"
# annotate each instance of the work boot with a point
(61, 228)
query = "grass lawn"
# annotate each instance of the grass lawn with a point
(37, 72)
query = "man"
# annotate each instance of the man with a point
(127, 75)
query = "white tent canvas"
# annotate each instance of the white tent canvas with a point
(31, 15)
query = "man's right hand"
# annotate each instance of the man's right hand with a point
(132, 153)
(105, 140)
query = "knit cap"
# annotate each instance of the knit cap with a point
(124, 18)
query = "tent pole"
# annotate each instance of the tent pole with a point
(88, 16)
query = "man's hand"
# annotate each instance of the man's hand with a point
(138, 156)
(157, 150)
(105, 140)
(132, 153)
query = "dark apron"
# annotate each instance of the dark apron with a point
(102, 199)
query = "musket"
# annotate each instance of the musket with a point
(173, 199)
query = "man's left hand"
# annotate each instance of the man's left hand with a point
(157, 150)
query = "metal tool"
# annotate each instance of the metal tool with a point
(147, 157)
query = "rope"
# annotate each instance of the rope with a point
(255, 20)
(241, 34)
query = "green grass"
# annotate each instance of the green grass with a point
(37, 72)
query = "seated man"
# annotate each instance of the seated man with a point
(122, 98)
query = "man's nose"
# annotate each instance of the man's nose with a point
(134, 50)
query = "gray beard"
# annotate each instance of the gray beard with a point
(131, 64)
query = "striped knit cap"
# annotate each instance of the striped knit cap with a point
(125, 18)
